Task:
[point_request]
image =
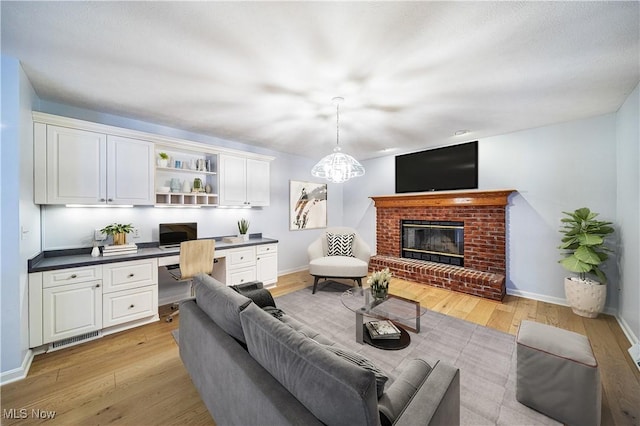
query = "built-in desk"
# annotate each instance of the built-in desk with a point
(74, 297)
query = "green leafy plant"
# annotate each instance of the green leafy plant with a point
(243, 226)
(163, 155)
(117, 228)
(584, 244)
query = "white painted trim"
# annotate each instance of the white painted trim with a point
(554, 300)
(626, 329)
(293, 270)
(19, 373)
(160, 141)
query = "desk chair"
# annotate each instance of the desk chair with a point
(196, 257)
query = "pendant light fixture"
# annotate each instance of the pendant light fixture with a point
(337, 167)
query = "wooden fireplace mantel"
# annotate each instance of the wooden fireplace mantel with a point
(475, 197)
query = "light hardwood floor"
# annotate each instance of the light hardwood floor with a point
(136, 377)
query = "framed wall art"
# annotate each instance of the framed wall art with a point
(307, 205)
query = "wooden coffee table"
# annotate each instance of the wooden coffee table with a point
(397, 309)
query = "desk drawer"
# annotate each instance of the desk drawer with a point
(241, 257)
(129, 305)
(129, 275)
(241, 276)
(71, 276)
(266, 249)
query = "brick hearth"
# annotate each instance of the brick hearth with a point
(483, 214)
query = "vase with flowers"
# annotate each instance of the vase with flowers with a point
(379, 283)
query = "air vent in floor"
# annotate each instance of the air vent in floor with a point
(74, 340)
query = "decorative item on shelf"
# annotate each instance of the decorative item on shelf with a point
(118, 231)
(207, 189)
(197, 185)
(200, 165)
(207, 166)
(585, 249)
(121, 249)
(379, 284)
(95, 251)
(186, 186)
(178, 164)
(163, 161)
(163, 189)
(384, 329)
(243, 228)
(338, 167)
(176, 186)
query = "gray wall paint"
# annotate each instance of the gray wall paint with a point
(552, 168)
(17, 213)
(628, 217)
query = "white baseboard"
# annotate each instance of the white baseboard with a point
(293, 270)
(18, 373)
(626, 329)
(555, 300)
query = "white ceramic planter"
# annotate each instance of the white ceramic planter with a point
(586, 298)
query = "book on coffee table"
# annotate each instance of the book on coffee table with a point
(382, 330)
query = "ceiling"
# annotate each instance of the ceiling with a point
(264, 73)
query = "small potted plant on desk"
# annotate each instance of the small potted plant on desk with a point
(118, 231)
(243, 228)
(585, 249)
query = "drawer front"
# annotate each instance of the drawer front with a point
(71, 276)
(129, 305)
(238, 258)
(129, 275)
(266, 249)
(241, 276)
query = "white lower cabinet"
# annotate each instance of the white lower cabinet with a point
(69, 303)
(70, 310)
(246, 264)
(129, 305)
(267, 263)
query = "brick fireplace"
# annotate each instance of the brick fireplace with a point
(483, 215)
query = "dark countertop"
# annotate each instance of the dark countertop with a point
(73, 258)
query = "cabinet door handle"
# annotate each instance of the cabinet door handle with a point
(241, 257)
(102, 200)
(74, 276)
(132, 306)
(131, 275)
(97, 285)
(258, 258)
(109, 199)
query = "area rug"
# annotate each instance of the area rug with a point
(486, 357)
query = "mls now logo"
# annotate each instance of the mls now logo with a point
(23, 413)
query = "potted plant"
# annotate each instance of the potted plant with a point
(119, 232)
(379, 283)
(243, 228)
(585, 248)
(163, 161)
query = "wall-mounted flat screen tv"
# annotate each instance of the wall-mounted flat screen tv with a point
(172, 234)
(441, 169)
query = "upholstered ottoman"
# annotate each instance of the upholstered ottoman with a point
(557, 374)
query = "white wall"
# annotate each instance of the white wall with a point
(17, 213)
(553, 168)
(628, 217)
(73, 227)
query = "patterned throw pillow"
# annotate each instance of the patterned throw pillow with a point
(340, 244)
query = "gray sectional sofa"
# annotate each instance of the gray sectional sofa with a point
(251, 368)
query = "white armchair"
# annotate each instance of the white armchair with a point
(323, 265)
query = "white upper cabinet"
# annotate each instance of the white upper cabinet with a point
(84, 167)
(244, 181)
(75, 166)
(130, 170)
(80, 162)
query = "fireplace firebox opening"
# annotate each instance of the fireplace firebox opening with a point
(433, 241)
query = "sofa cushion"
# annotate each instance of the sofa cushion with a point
(359, 360)
(222, 304)
(340, 244)
(333, 389)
